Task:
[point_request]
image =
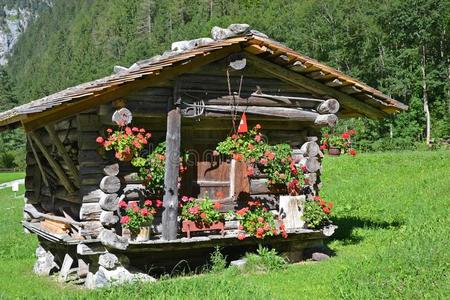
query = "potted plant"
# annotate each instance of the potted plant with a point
(338, 143)
(316, 213)
(256, 220)
(152, 169)
(273, 162)
(127, 142)
(137, 219)
(201, 215)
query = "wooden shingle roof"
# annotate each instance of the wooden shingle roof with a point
(276, 58)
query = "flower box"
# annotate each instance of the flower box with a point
(334, 151)
(141, 236)
(191, 226)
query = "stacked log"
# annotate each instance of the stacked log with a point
(91, 172)
(309, 158)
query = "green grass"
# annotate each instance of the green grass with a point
(10, 176)
(392, 242)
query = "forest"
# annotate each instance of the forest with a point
(401, 47)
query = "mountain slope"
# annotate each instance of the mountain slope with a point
(376, 41)
(15, 15)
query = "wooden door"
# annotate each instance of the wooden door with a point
(220, 180)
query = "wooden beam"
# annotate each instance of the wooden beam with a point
(334, 82)
(314, 86)
(68, 109)
(350, 89)
(303, 102)
(170, 199)
(53, 163)
(316, 75)
(276, 112)
(298, 66)
(256, 49)
(38, 161)
(63, 153)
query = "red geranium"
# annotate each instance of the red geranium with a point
(201, 210)
(144, 212)
(241, 236)
(126, 142)
(133, 217)
(124, 220)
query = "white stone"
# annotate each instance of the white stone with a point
(240, 263)
(45, 262)
(329, 230)
(258, 33)
(89, 282)
(239, 28)
(108, 260)
(318, 256)
(120, 275)
(119, 69)
(107, 218)
(110, 239)
(218, 33)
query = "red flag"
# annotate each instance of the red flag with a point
(243, 124)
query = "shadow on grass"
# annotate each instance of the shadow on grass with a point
(346, 225)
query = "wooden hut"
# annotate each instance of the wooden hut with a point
(190, 97)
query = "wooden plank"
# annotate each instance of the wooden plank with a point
(63, 153)
(240, 180)
(35, 214)
(65, 268)
(170, 199)
(53, 163)
(50, 227)
(315, 86)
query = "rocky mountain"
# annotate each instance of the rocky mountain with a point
(15, 16)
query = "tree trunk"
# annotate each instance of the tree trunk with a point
(448, 89)
(426, 109)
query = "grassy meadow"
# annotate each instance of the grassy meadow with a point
(392, 210)
(10, 176)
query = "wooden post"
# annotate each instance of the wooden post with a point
(170, 200)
